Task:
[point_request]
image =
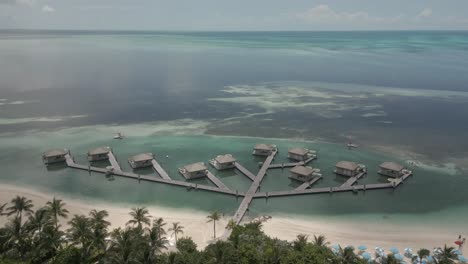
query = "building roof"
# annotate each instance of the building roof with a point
(302, 170)
(194, 167)
(142, 157)
(99, 151)
(388, 165)
(223, 159)
(299, 151)
(263, 147)
(347, 165)
(55, 152)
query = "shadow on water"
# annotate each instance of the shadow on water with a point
(56, 166)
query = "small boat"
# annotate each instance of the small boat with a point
(119, 136)
(350, 144)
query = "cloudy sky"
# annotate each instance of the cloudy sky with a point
(234, 14)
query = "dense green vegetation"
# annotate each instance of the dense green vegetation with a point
(36, 236)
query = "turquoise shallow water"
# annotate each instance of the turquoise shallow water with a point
(420, 195)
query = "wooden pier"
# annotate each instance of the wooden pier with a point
(291, 164)
(113, 161)
(188, 185)
(244, 171)
(161, 172)
(353, 180)
(216, 181)
(307, 184)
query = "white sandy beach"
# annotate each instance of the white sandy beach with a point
(283, 227)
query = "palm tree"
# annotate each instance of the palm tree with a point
(422, 253)
(123, 246)
(300, 242)
(99, 231)
(15, 237)
(176, 229)
(320, 241)
(80, 234)
(56, 210)
(37, 221)
(157, 242)
(159, 224)
(213, 217)
(231, 224)
(140, 216)
(448, 255)
(20, 205)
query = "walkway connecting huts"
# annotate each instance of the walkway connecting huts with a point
(98, 154)
(349, 168)
(263, 149)
(302, 173)
(54, 156)
(194, 170)
(223, 162)
(300, 154)
(391, 169)
(141, 160)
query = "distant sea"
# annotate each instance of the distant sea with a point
(193, 95)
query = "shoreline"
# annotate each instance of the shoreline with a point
(285, 227)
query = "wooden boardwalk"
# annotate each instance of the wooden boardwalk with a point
(113, 161)
(306, 184)
(161, 172)
(189, 186)
(244, 171)
(292, 164)
(216, 181)
(353, 180)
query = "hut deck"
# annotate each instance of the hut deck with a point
(161, 172)
(188, 185)
(244, 171)
(353, 180)
(216, 181)
(306, 184)
(291, 164)
(113, 161)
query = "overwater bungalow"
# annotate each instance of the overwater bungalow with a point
(223, 162)
(263, 149)
(195, 170)
(301, 173)
(391, 169)
(98, 154)
(299, 154)
(349, 168)
(141, 160)
(54, 156)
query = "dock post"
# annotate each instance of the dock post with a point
(139, 178)
(331, 189)
(266, 196)
(89, 169)
(196, 186)
(237, 195)
(364, 187)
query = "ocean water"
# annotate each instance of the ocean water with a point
(194, 95)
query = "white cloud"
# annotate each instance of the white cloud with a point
(425, 13)
(48, 9)
(323, 13)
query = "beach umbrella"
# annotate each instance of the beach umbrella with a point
(362, 247)
(462, 259)
(366, 256)
(394, 250)
(336, 246)
(430, 259)
(456, 251)
(398, 257)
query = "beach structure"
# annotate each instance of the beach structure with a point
(54, 156)
(223, 162)
(391, 169)
(194, 170)
(300, 154)
(98, 154)
(302, 173)
(263, 149)
(349, 168)
(141, 160)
